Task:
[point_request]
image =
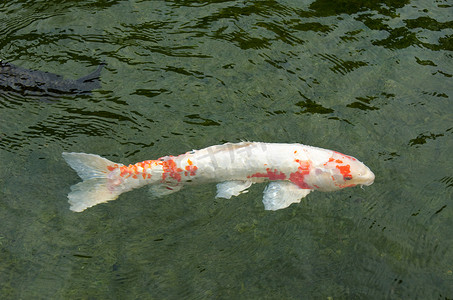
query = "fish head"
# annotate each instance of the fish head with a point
(341, 171)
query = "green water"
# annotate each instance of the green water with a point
(372, 79)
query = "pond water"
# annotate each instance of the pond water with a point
(372, 79)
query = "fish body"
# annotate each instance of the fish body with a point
(293, 170)
(34, 82)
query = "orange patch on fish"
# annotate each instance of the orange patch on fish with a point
(345, 171)
(272, 175)
(298, 177)
(171, 170)
(190, 170)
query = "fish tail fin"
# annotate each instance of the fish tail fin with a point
(96, 187)
(93, 77)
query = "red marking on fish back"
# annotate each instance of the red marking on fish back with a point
(272, 175)
(298, 177)
(124, 171)
(347, 156)
(171, 170)
(345, 171)
(111, 168)
(190, 170)
(134, 170)
(338, 161)
(331, 159)
(139, 169)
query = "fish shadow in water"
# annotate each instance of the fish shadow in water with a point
(15, 79)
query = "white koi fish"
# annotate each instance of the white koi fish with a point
(294, 170)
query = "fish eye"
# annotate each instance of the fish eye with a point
(347, 177)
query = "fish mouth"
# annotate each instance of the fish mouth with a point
(368, 179)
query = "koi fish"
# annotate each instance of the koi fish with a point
(34, 82)
(294, 170)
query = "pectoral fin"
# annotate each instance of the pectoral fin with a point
(232, 188)
(281, 194)
(161, 190)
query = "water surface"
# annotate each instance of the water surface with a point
(372, 79)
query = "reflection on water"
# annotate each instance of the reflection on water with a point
(370, 78)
